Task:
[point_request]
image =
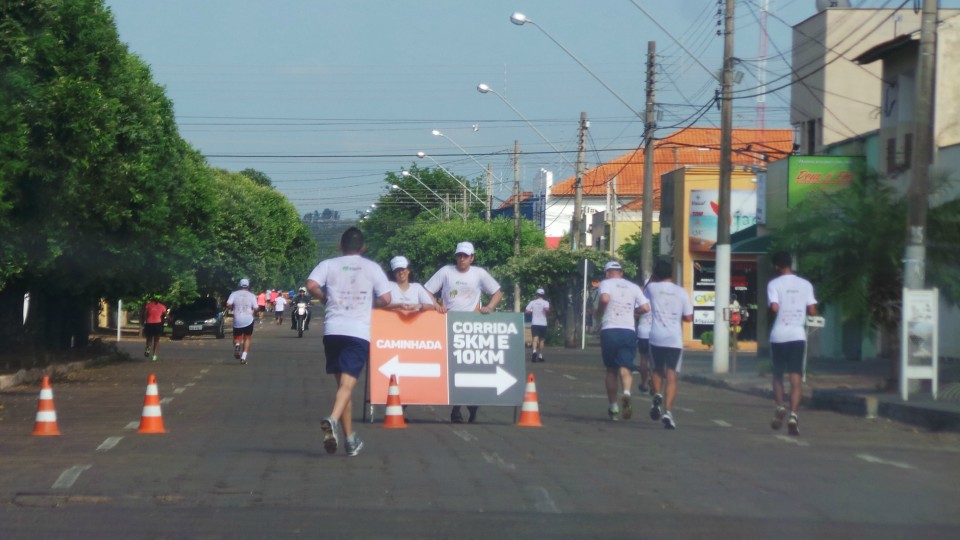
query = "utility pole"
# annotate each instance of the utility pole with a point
(613, 217)
(721, 329)
(650, 124)
(489, 192)
(516, 218)
(578, 196)
(918, 198)
(466, 203)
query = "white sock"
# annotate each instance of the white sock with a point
(243, 356)
(626, 392)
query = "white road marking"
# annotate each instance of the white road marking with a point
(69, 476)
(191, 384)
(792, 439)
(571, 377)
(166, 400)
(198, 376)
(722, 423)
(179, 390)
(493, 459)
(133, 425)
(109, 443)
(873, 459)
(684, 409)
(206, 370)
(542, 501)
(465, 435)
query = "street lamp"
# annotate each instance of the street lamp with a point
(394, 186)
(520, 19)
(467, 188)
(437, 195)
(485, 89)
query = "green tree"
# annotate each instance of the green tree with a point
(258, 177)
(632, 249)
(850, 244)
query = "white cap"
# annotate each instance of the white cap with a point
(244, 283)
(540, 292)
(612, 265)
(465, 247)
(399, 262)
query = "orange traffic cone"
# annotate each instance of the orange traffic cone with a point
(151, 421)
(393, 418)
(46, 423)
(530, 411)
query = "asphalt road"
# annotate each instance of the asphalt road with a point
(243, 458)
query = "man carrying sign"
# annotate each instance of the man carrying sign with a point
(462, 285)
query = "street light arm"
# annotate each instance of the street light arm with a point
(394, 186)
(438, 133)
(451, 175)
(484, 89)
(435, 194)
(520, 19)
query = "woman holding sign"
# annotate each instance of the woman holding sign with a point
(404, 295)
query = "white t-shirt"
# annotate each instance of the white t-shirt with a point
(538, 311)
(669, 303)
(279, 304)
(461, 290)
(415, 294)
(646, 321)
(352, 283)
(625, 298)
(794, 294)
(244, 305)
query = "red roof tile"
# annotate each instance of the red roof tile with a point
(691, 146)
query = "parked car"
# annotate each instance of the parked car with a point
(201, 317)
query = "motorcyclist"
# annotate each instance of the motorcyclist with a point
(302, 296)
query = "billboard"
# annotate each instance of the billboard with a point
(808, 174)
(704, 208)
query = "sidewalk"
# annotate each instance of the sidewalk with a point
(846, 387)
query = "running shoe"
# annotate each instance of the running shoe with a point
(353, 445)
(146, 353)
(455, 416)
(793, 424)
(668, 422)
(541, 357)
(154, 358)
(533, 356)
(625, 409)
(473, 414)
(656, 412)
(243, 361)
(331, 440)
(614, 413)
(778, 415)
(236, 350)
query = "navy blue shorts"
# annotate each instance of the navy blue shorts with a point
(346, 354)
(665, 358)
(618, 346)
(787, 357)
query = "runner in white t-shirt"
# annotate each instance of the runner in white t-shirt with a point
(244, 306)
(279, 305)
(791, 299)
(538, 309)
(349, 286)
(620, 302)
(671, 306)
(462, 286)
(643, 349)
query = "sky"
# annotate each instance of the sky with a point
(327, 97)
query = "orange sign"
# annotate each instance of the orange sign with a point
(412, 347)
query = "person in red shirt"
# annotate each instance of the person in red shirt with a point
(261, 306)
(152, 319)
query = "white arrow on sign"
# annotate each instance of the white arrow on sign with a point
(395, 367)
(501, 380)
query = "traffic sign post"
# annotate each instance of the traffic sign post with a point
(455, 358)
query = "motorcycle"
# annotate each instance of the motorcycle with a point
(300, 316)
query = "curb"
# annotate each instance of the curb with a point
(28, 376)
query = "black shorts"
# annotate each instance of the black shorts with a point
(643, 346)
(538, 331)
(153, 329)
(245, 331)
(787, 357)
(665, 358)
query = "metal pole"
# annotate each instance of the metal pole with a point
(583, 311)
(721, 330)
(914, 269)
(613, 217)
(516, 218)
(646, 233)
(489, 191)
(119, 312)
